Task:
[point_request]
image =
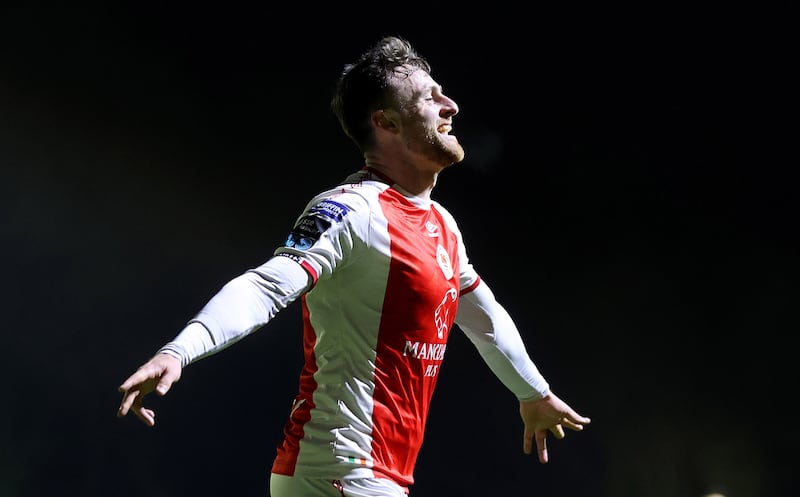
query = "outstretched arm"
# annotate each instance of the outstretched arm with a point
(494, 334)
(243, 305)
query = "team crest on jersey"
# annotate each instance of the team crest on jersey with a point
(310, 227)
(444, 262)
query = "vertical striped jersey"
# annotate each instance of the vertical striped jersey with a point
(382, 276)
(388, 269)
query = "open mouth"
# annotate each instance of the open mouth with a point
(445, 129)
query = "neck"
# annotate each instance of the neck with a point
(416, 181)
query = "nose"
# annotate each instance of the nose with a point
(449, 106)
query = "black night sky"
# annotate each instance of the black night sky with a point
(628, 192)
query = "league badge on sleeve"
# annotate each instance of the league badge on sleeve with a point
(310, 227)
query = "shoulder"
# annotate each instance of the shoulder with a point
(345, 199)
(345, 207)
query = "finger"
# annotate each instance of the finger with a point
(148, 416)
(572, 425)
(135, 379)
(577, 419)
(558, 431)
(527, 442)
(127, 401)
(541, 446)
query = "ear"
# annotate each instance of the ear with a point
(385, 120)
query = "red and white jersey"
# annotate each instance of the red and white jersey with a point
(388, 269)
(382, 276)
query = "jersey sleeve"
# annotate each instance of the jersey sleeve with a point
(243, 305)
(329, 233)
(490, 328)
(324, 237)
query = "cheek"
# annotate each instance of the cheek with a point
(417, 126)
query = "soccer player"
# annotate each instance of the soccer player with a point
(382, 274)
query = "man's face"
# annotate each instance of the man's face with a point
(426, 116)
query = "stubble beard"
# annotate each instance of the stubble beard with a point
(444, 151)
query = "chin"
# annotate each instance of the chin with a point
(456, 153)
(457, 159)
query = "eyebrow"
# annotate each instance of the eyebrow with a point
(431, 89)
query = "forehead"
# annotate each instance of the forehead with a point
(412, 85)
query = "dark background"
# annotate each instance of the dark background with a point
(628, 191)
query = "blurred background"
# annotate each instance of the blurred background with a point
(628, 191)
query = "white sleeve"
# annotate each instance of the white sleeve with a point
(242, 306)
(493, 332)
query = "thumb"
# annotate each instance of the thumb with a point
(163, 387)
(165, 383)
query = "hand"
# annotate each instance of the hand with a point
(547, 414)
(159, 374)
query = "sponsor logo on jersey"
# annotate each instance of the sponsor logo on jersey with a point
(434, 351)
(290, 256)
(330, 209)
(425, 350)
